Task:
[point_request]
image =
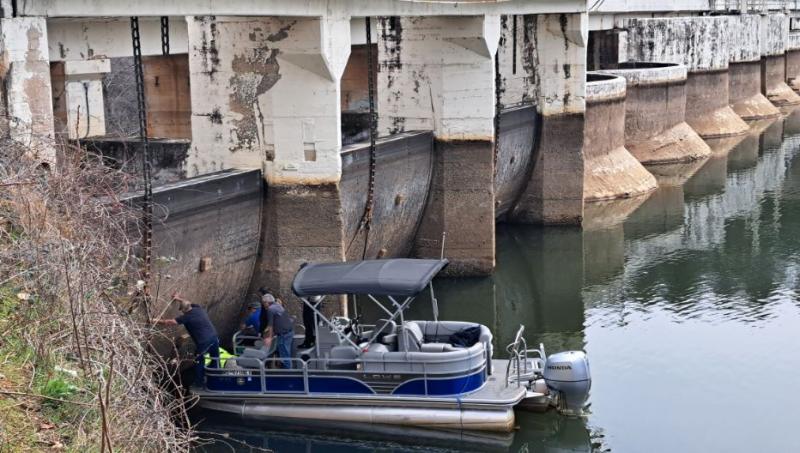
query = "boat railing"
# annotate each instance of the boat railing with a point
(521, 366)
(303, 368)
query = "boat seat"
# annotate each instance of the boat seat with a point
(252, 358)
(343, 358)
(410, 338)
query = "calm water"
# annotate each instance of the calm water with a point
(686, 302)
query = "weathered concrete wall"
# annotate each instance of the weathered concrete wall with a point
(516, 143)
(611, 171)
(554, 193)
(265, 91)
(437, 74)
(85, 107)
(214, 219)
(403, 169)
(774, 42)
(655, 112)
(25, 71)
(703, 45)
(744, 70)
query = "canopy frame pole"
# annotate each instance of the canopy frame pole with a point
(434, 302)
(339, 333)
(378, 303)
(394, 316)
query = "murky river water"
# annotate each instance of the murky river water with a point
(685, 301)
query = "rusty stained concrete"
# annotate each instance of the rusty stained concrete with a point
(26, 73)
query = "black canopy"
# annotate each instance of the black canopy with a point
(395, 277)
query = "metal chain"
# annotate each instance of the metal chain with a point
(514, 47)
(165, 35)
(498, 104)
(147, 204)
(366, 221)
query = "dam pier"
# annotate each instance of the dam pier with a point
(260, 117)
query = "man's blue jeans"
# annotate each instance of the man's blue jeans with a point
(284, 348)
(200, 361)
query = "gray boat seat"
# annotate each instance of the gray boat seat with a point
(252, 358)
(343, 357)
(411, 338)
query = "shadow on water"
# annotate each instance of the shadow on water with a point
(675, 295)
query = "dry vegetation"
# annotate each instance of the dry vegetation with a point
(75, 369)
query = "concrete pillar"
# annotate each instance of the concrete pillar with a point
(437, 73)
(774, 42)
(518, 125)
(793, 60)
(265, 93)
(83, 88)
(554, 194)
(25, 70)
(655, 114)
(744, 69)
(702, 44)
(611, 171)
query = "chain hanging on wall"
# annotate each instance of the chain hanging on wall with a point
(164, 35)
(147, 201)
(365, 223)
(498, 105)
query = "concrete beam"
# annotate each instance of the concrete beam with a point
(307, 8)
(25, 69)
(84, 39)
(437, 73)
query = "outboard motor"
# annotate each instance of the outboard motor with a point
(567, 374)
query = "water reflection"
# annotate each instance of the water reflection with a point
(677, 296)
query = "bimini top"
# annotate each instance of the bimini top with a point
(395, 277)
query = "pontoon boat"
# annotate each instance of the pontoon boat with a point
(430, 374)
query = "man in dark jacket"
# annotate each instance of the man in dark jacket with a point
(196, 321)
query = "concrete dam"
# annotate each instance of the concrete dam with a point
(259, 118)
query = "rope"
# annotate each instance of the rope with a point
(147, 205)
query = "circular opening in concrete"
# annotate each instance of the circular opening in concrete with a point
(596, 77)
(639, 65)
